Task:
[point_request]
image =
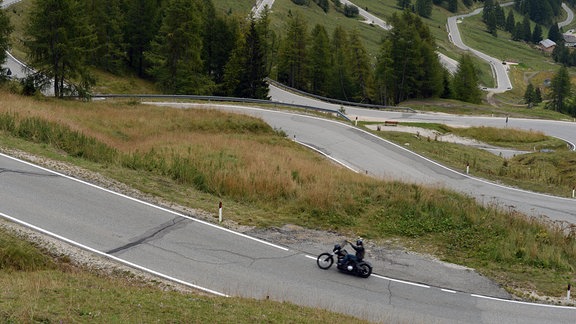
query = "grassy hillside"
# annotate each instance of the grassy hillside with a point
(196, 157)
(234, 7)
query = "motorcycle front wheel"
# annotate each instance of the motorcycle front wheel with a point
(364, 270)
(325, 261)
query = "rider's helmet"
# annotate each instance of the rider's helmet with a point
(359, 242)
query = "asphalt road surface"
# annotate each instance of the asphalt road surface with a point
(569, 16)
(361, 152)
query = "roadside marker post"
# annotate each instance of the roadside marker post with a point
(568, 293)
(220, 212)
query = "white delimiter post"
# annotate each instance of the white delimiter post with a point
(568, 293)
(220, 213)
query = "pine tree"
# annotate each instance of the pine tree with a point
(384, 75)
(518, 32)
(491, 24)
(219, 36)
(252, 79)
(561, 54)
(293, 57)
(559, 90)
(341, 83)
(446, 85)
(268, 37)
(176, 52)
(141, 26)
(487, 10)
(324, 4)
(465, 82)
(361, 70)
(526, 30)
(403, 4)
(541, 11)
(107, 18)
(424, 8)
(407, 65)
(554, 34)
(510, 22)
(529, 95)
(538, 96)
(59, 41)
(5, 30)
(319, 60)
(246, 71)
(489, 17)
(432, 73)
(400, 53)
(532, 95)
(500, 16)
(453, 5)
(537, 34)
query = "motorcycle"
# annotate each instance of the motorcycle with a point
(325, 260)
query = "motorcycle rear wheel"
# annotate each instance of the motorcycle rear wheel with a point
(325, 261)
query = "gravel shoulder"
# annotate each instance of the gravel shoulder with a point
(389, 259)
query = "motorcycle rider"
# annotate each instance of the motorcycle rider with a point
(359, 248)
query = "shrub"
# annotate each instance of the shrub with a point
(301, 2)
(18, 255)
(351, 11)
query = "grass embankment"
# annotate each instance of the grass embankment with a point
(198, 157)
(36, 288)
(465, 108)
(549, 169)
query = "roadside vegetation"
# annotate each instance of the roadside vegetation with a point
(502, 110)
(547, 167)
(198, 157)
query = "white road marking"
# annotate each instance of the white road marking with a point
(521, 302)
(130, 264)
(148, 204)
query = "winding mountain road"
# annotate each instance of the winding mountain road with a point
(499, 69)
(223, 262)
(569, 16)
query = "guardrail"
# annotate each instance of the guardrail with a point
(337, 101)
(222, 99)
